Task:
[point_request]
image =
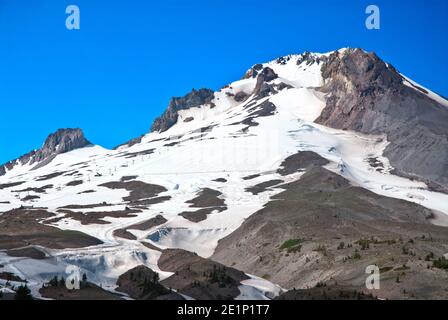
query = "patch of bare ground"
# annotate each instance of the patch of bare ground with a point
(172, 144)
(251, 177)
(21, 227)
(30, 198)
(50, 176)
(42, 189)
(124, 234)
(87, 191)
(151, 246)
(209, 201)
(207, 198)
(200, 278)
(86, 206)
(264, 109)
(143, 226)
(74, 183)
(128, 178)
(10, 185)
(322, 228)
(142, 283)
(375, 163)
(138, 190)
(70, 174)
(130, 155)
(326, 291)
(28, 252)
(95, 217)
(201, 214)
(79, 164)
(222, 180)
(300, 162)
(8, 276)
(148, 202)
(263, 187)
(88, 291)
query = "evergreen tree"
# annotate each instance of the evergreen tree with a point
(23, 293)
(62, 282)
(54, 282)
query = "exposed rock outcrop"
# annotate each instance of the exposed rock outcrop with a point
(263, 88)
(253, 72)
(62, 141)
(367, 95)
(193, 99)
(310, 58)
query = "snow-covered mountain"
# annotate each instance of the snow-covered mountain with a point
(287, 175)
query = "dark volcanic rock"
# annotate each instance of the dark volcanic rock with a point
(146, 225)
(367, 95)
(74, 183)
(194, 99)
(201, 214)
(301, 161)
(253, 72)
(42, 189)
(28, 252)
(263, 88)
(10, 185)
(50, 176)
(264, 109)
(263, 187)
(87, 218)
(138, 190)
(241, 96)
(131, 142)
(209, 200)
(63, 140)
(309, 59)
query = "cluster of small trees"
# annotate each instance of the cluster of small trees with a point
(441, 263)
(152, 287)
(57, 282)
(218, 275)
(23, 293)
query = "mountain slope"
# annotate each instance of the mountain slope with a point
(370, 96)
(215, 161)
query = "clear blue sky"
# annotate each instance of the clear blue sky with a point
(119, 71)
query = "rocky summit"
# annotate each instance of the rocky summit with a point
(63, 140)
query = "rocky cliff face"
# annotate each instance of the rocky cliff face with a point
(193, 99)
(63, 140)
(367, 95)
